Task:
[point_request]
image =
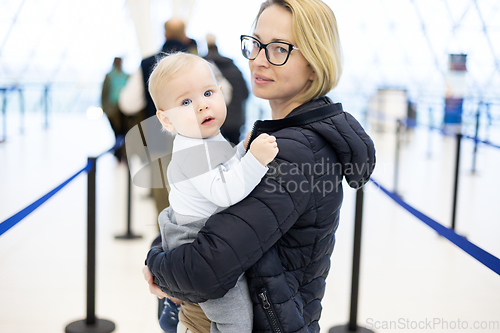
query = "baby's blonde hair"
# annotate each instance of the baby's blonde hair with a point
(167, 68)
(315, 31)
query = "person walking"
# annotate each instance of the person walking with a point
(114, 81)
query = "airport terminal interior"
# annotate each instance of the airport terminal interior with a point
(422, 77)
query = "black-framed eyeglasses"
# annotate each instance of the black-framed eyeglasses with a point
(277, 53)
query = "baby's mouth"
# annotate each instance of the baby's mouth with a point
(207, 120)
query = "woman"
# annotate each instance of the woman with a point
(282, 235)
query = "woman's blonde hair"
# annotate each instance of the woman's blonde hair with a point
(315, 31)
(167, 67)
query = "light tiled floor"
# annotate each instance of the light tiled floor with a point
(409, 275)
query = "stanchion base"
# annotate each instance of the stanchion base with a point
(100, 326)
(128, 236)
(345, 329)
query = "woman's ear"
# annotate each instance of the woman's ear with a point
(162, 116)
(312, 77)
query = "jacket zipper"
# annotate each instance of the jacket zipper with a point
(266, 305)
(252, 136)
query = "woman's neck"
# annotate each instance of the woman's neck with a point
(281, 109)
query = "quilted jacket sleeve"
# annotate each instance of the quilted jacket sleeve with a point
(236, 238)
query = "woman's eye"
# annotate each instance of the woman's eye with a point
(280, 49)
(208, 93)
(186, 102)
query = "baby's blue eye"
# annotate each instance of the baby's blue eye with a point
(208, 93)
(186, 102)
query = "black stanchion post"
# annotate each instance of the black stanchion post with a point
(455, 188)
(21, 109)
(396, 158)
(91, 324)
(429, 137)
(352, 326)
(129, 234)
(474, 156)
(489, 116)
(4, 115)
(46, 105)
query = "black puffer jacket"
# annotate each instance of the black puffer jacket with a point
(282, 235)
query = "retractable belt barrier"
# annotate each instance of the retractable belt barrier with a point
(486, 142)
(18, 217)
(412, 123)
(476, 252)
(91, 324)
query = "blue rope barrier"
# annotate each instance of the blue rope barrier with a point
(118, 143)
(16, 218)
(476, 252)
(413, 123)
(486, 142)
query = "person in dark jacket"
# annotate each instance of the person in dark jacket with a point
(235, 118)
(283, 234)
(135, 99)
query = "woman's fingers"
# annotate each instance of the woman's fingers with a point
(153, 288)
(147, 274)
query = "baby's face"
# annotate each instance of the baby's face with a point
(194, 104)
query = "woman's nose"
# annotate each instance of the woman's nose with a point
(261, 59)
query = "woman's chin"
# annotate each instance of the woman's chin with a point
(261, 93)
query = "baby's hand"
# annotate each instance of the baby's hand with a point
(264, 148)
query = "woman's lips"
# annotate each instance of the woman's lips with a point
(261, 79)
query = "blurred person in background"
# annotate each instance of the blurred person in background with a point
(191, 45)
(135, 98)
(239, 91)
(113, 84)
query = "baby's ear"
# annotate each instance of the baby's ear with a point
(162, 116)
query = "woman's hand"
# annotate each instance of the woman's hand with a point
(153, 288)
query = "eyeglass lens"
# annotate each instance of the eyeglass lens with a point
(276, 52)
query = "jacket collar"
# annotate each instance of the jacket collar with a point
(311, 105)
(305, 114)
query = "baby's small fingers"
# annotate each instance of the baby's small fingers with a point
(264, 136)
